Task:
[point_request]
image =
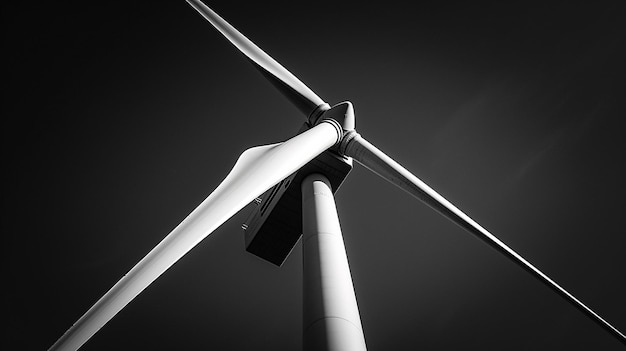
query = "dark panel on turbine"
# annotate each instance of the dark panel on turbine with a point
(275, 225)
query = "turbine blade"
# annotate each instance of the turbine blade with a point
(296, 91)
(257, 170)
(376, 161)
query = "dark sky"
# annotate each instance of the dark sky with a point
(120, 118)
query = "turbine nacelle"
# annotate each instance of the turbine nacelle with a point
(274, 225)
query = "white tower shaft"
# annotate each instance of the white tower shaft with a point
(331, 320)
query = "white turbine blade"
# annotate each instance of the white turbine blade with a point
(257, 170)
(376, 161)
(296, 91)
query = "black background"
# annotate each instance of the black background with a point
(121, 117)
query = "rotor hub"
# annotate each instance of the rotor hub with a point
(342, 112)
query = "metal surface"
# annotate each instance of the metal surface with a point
(331, 320)
(257, 170)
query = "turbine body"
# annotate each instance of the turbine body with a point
(294, 202)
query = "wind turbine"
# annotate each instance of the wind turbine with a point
(237, 190)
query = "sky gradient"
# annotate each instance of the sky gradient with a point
(120, 119)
